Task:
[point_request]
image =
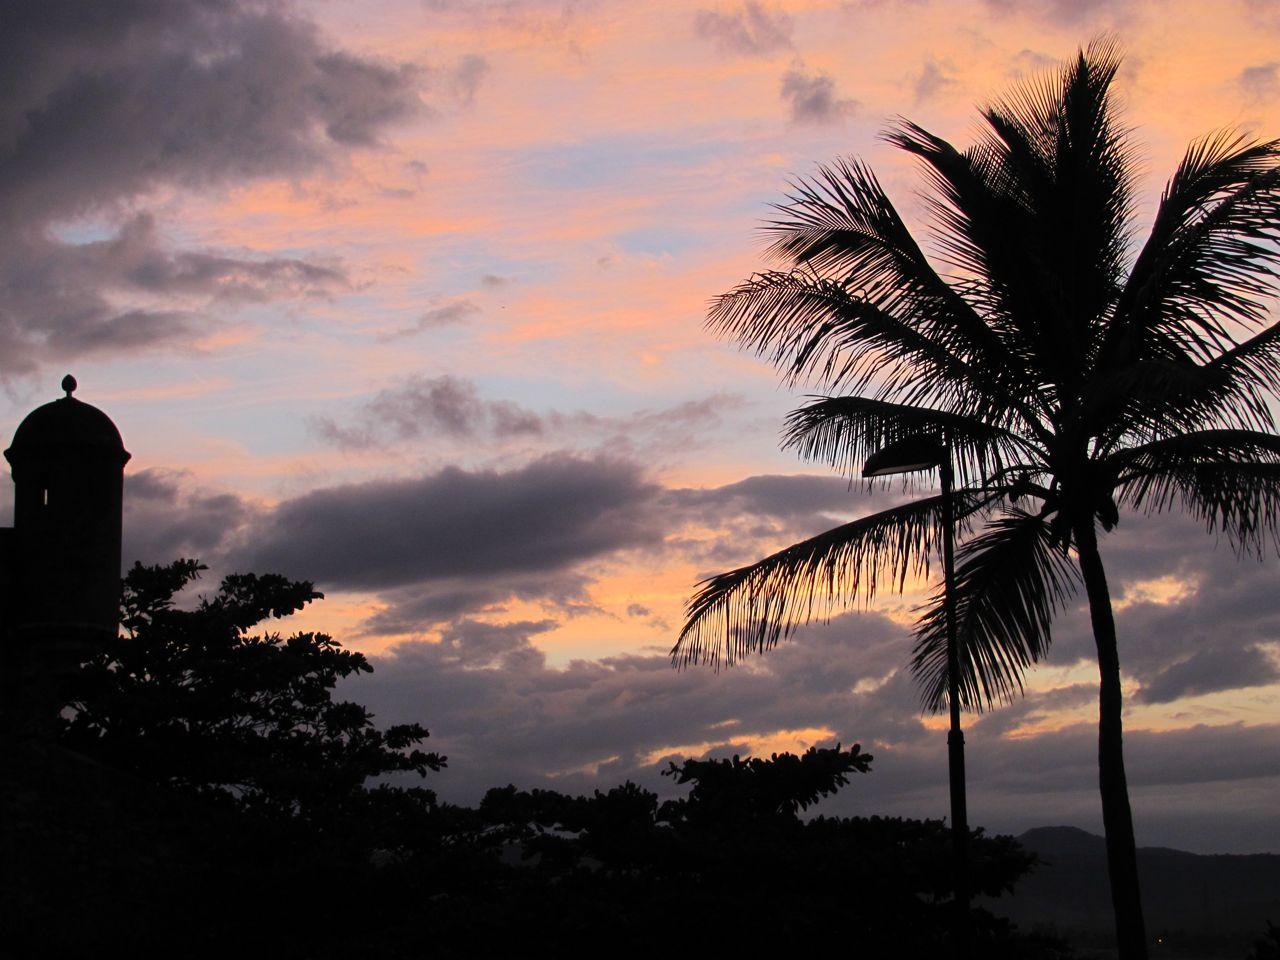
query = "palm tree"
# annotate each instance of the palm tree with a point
(1074, 371)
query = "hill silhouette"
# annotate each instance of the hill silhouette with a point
(1214, 904)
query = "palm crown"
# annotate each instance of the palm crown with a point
(1072, 370)
(1070, 377)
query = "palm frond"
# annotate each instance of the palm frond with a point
(1240, 500)
(1210, 260)
(1156, 398)
(1159, 396)
(845, 431)
(1010, 581)
(1084, 206)
(1255, 361)
(1197, 447)
(1037, 210)
(816, 329)
(754, 607)
(980, 225)
(841, 225)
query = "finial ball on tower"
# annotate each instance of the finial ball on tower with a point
(69, 384)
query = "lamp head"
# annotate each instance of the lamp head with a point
(905, 456)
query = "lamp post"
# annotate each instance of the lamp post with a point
(908, 456)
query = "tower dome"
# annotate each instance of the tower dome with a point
(67, 427)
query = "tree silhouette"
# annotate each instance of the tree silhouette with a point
(1267, 946)
(732, 867)
(193, 699)
(1073, 373)
(243, 808)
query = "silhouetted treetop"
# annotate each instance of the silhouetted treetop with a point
(193, 698)
(757, 788)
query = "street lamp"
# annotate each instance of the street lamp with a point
(907, 456)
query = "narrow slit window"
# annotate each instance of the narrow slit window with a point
(44, 497)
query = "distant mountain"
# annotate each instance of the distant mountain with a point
(1051, 841)
(1223, 897)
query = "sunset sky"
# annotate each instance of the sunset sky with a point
(407, 298)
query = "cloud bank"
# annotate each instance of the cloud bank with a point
(106, 104)
(445, 550)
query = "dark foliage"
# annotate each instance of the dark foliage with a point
(729, 867)
(193, 699)
(1267, 946)
(382, 874)
(214, 803)
(756, 789)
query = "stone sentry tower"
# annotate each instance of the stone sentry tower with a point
(60, 562)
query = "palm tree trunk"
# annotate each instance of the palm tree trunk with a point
(1117, 819)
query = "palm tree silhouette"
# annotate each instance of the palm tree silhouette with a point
(1073, 371)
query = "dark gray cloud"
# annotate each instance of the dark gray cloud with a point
(106, 103)
(416, 608)
(472, 645)
(1209, 671)
(763, 513)
(1260, 81)
(110, 102)
(934, 79)
(133, 259)
(546, 516)
(811, 97)
(751, 29)
(639, 611)
(1213, 636)
(445, 315)
(152, 485)
(783, 496)
(447, 406)
(1033, 708)
(445, 545)
(439, 548)
(513, 716)
(70, 287)
(165, 518)
(466, 76)
(452, 408)
(1199, 788)
(504, 714)
(1065, 12)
